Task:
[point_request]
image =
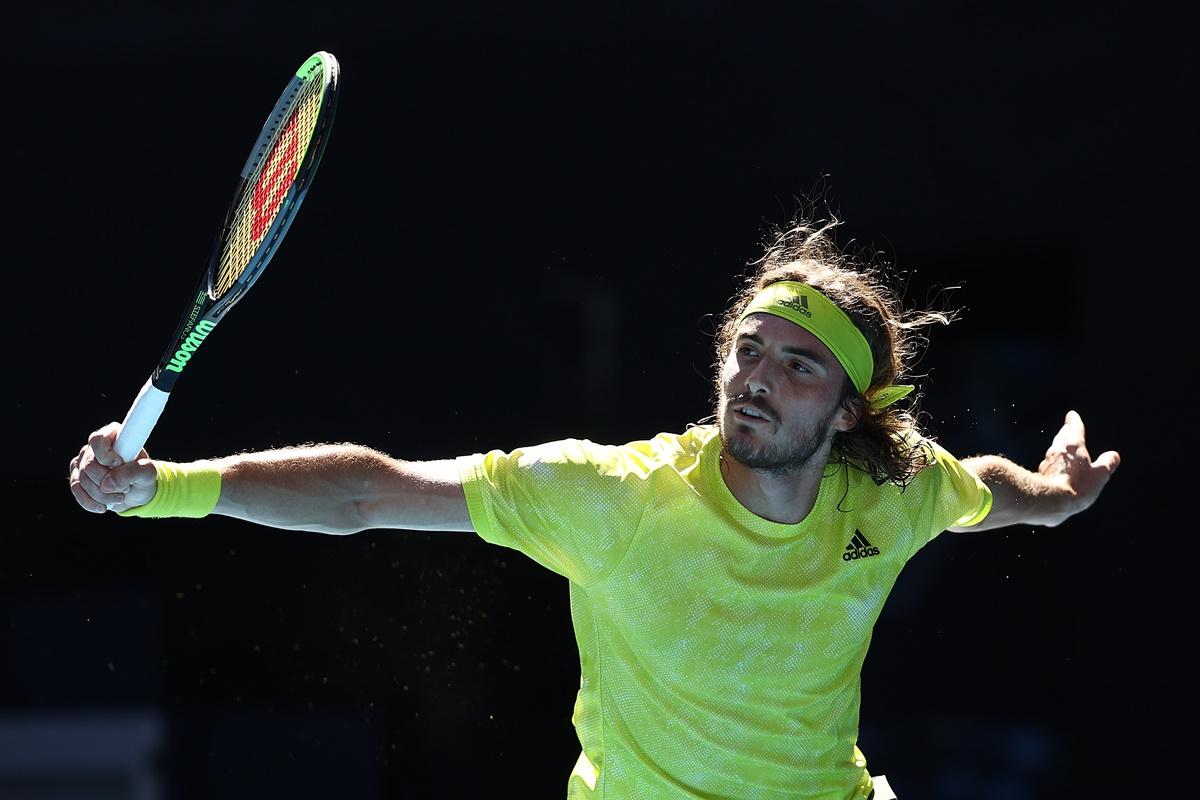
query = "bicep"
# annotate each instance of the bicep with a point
(417, 495)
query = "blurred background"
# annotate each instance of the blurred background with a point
(527, 217)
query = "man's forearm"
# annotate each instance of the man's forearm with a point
(342, 488)
(1019, 497)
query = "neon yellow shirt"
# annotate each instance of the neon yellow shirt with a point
(720, 651)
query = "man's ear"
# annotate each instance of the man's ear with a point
(849, 414)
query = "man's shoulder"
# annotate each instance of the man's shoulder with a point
(925, 455)
(581, 455)
(692, 440)
(676, 451)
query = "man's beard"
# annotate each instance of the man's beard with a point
(780, 458)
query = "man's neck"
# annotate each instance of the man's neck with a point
(786, 498)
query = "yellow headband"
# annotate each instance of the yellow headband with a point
(805, 306)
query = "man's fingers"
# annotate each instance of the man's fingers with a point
(90, 474)
(1108, 460)
(1071, 435)
(98, 494)
(129, 476)
(93, 469)
(85, 501)
(101, 442)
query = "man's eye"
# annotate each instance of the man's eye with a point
(796, 365)
(746, 349)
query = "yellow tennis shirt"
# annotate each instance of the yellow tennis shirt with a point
(720, 651)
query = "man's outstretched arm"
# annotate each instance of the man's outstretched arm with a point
(1066, 482)
(342, 488)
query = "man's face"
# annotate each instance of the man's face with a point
(779, 395)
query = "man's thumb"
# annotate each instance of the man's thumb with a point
(1109, 459)
(127, 476)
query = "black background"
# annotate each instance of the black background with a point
(525, 220)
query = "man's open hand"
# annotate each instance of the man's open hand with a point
(1068, 465)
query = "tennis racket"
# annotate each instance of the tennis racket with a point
(273, 183)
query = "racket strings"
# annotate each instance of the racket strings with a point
(267, 187)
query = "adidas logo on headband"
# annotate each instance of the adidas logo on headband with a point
(798, 303)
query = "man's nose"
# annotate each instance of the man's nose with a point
(758, 379)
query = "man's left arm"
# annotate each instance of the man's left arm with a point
(1066, 482)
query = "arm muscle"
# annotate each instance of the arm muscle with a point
(341, 489)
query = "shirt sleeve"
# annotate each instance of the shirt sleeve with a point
(949, 496)
(572, 506)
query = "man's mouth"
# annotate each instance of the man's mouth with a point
(750, 414)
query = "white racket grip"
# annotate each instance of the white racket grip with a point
(140, 420)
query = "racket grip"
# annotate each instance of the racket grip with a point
(140, 420)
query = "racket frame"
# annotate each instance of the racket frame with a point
(206, 310)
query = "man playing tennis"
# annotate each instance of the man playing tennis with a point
(724, 581)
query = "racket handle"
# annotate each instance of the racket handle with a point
(140, 420)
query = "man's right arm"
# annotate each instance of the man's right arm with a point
(341, 488)
(336, 489)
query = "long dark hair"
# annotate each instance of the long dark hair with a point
(885, 442)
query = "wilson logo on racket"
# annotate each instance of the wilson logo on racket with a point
(194, 340)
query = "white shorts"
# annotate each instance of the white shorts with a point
(880, 789)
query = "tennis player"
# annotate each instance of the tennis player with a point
(724, 580)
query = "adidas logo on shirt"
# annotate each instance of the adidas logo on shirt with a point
(859, 547)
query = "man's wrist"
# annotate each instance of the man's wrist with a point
(182, 490)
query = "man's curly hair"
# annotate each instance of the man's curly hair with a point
(884, 442)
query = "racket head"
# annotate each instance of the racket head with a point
(274, 181)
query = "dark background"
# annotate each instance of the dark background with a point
(526, 218)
